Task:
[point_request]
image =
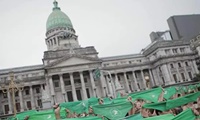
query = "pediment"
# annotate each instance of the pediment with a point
(73, 59)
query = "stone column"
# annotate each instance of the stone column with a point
(103, 84)
(32, 98)
(108, 84)
(9, 103)
(186, 73)
(170, 74)
(126, 83)
(83, 86)
(21, 101)
(135, 81)
(143, 80)
(92, 83)
(73, 87)
(151, 78)
(195, 67)
(166, 74)
(117, 83)
(178, 74)
(62, 87)
(52, 90)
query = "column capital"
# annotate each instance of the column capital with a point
(60, 74)
(70, 73)
(80, 72)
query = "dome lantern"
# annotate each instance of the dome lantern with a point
(57, 18)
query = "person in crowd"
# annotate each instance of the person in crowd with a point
(100, 101)
(26, 118)
(56, 108)
(69, 114)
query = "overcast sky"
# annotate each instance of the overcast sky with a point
(114, 27)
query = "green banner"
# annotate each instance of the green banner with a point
(182, 100)
(113, 111)
(150, 95)
(169, 92)
(166, 105)
(77, 107)
(185, 115)
(43, 115)
(22, 115)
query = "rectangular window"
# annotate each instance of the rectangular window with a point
(39, 102)
(37, 90)
(78, 93)
(175, 78)
(77, 81)
(69, 96)
(27, 92)
(119, 78)
(54, 41)
(174, 50)
(28, 104)
(16, 94)
(67, 82)
(182, 50)
(160, 69)
(179, 64)
(138, 85)
(6, 109)
(171, 65)
(127, 76)
(18, 107)
(88, 92)
(5, 95)
(167, 51)
(190, 75)
(186, 63)
(183, 76)
(56, 84)
(163, 80)
(85, 80)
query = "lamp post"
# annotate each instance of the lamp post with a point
(12, 87)
(112, 84)
(147, 79)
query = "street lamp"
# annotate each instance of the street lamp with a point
(12, 87)
(147, 79)
(111, 81)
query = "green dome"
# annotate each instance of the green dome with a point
(58, 19)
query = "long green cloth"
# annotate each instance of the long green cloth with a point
(77, 107)
(166, 105)
(113, 111)
(169, 92)
(22, 115)
(182, 100)
(150, 95)
(185, 115)
(161, 117)
(43, 115)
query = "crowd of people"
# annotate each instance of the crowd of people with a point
(137, 107)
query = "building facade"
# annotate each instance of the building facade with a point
(67, 72)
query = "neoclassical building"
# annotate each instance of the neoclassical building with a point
(68, 70)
